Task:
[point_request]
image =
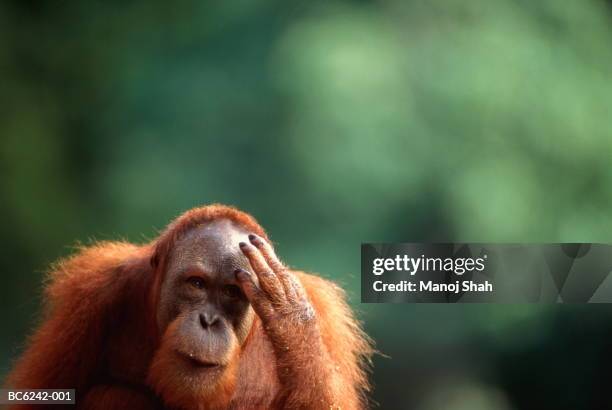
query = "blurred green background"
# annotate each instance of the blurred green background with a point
(333, 123)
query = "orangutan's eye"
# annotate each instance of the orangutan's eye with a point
(196, 282)
(232, 291)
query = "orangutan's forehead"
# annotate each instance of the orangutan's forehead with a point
(212, 246)
(220, 229)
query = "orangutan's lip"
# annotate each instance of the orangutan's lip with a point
(201, 364)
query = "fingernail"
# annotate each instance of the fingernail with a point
(242, 244)
(241, 274)
(255, 240)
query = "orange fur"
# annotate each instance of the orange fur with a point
(98, 335)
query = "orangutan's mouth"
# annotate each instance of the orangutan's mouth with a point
(196, 362)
